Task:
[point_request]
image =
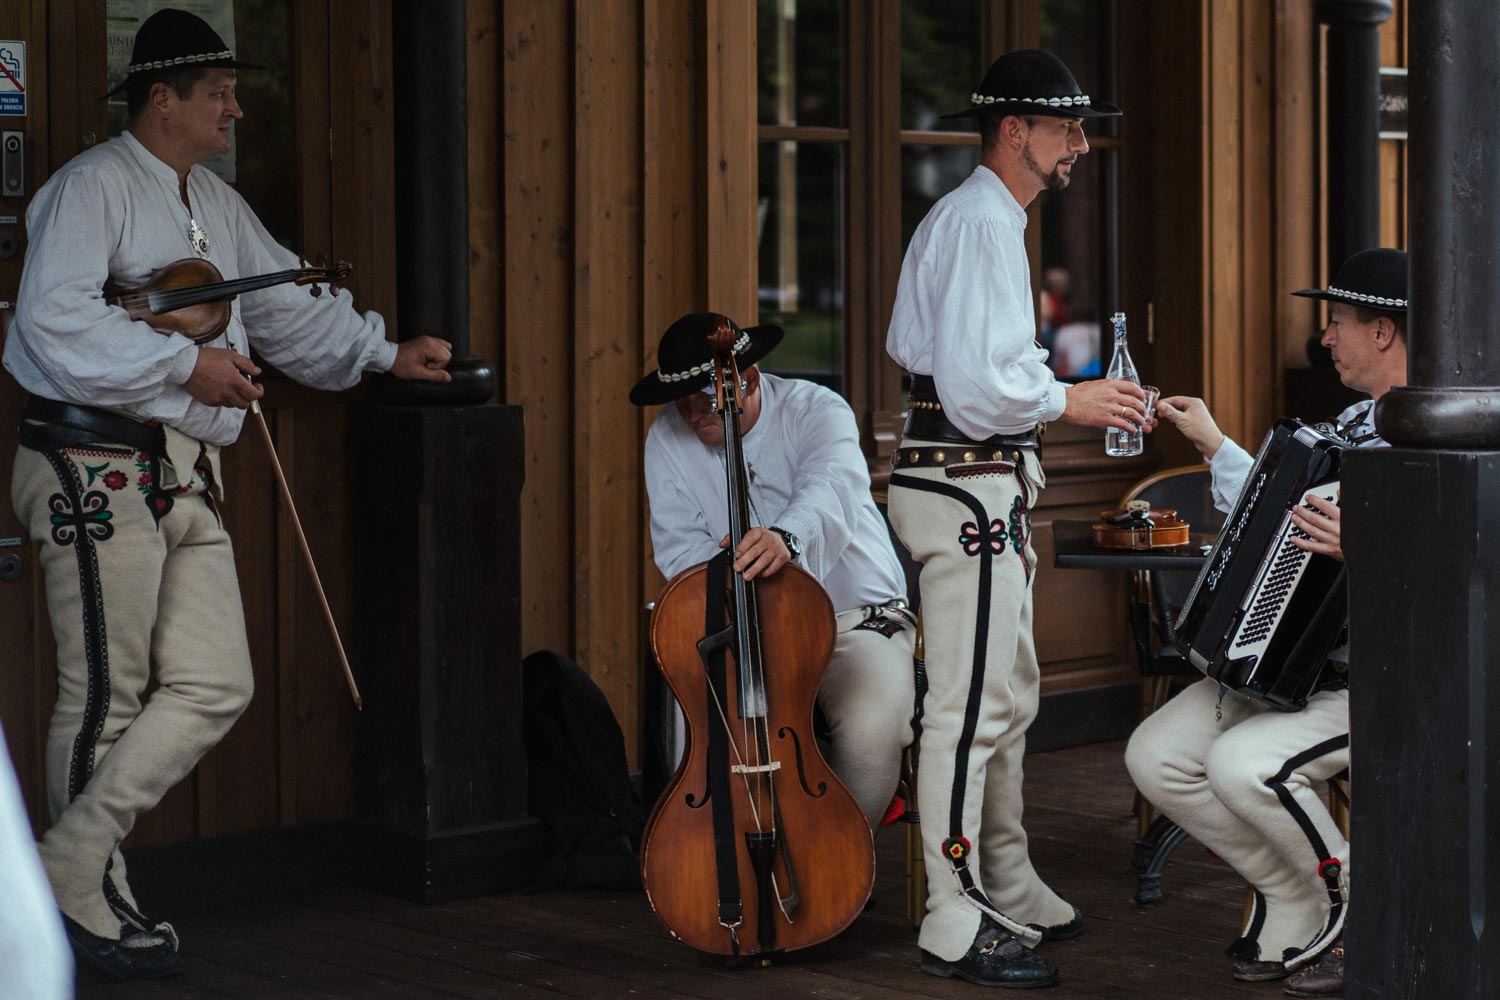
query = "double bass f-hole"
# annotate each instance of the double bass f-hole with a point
(755, 847)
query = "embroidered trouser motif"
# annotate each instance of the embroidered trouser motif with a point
(1248, 787)
(972, 535)
(141, 586)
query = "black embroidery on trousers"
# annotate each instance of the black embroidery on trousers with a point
(958, 857)
(1277, 784)
(80, 519)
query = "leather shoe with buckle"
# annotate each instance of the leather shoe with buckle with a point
(996, 958)
(1061, 932)
(137, 955)
(1324, 978)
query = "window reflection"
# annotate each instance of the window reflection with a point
(801, 222)
(800, 48)
(941, 61)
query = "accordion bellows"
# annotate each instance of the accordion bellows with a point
(1264, 614)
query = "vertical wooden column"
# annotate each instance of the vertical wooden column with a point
(729, 104)
(607, 336)
(1425, 640)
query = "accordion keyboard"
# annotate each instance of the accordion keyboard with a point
(1268, 597)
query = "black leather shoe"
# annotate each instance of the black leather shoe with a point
(995, 958)
(1324, 978)
(1061, 932)
(137, 955)
(1249, 970)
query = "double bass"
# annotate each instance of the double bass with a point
(755, 847)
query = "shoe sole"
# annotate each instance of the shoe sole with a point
(948, 972)
(1261, 977)
(1303, 993)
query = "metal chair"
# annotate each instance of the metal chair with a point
(1155, 599)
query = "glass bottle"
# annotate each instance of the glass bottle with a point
(1118, 443)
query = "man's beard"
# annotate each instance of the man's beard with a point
(1055, 181)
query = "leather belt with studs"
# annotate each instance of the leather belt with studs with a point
(942, 458)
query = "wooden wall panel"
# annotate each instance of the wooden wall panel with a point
(673, 281)
(1298, 201)
(607, 349)
(486, 197)
(729, 101)
(537, 78)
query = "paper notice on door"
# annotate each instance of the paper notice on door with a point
(124, 17)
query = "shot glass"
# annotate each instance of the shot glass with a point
(1152, 395)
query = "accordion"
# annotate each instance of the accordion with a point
(1264, 614)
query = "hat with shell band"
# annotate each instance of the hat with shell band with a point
(1032, 82)
(173, 39)
(1373, 279)
(687, 361)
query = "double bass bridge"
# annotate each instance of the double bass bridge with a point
(774, 765)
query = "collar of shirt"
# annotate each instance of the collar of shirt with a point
(992, 180)
(149, 160)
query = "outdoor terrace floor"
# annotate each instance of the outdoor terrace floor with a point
(599, 944)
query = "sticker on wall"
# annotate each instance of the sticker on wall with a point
(12, 78)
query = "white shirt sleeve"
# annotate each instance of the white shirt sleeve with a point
(322, 342)
(830, 482)
(1231, 466)
(89, 352)
(680, 536)
(989, 372)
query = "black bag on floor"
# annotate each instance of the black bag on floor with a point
(577, 780)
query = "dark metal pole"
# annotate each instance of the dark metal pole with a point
(1453, 400)
(1422, 538)
(430, 102)
(1353, 112)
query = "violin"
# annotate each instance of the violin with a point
(1140, 526)
(192, 298)
(755, 847)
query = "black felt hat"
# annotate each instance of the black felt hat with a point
(686, 359)
(174, 39)
(1032, 82)
(1374, 279)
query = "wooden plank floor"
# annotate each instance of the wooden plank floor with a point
(605, 945)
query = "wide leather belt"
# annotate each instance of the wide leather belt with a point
(47, 424)
(983, 460)
(925, 421)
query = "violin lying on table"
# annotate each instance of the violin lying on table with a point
(191, 297)
(1140, 526)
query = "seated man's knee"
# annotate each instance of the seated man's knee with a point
(1237, 768)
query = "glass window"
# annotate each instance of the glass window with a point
(801, 54)
(942, 61)
(801, 223)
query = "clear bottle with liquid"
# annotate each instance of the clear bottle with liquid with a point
(1118, 443)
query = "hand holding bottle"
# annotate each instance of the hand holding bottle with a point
(1111, 403)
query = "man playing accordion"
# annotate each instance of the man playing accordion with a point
(1241, 778)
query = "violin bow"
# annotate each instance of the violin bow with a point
(312, 569)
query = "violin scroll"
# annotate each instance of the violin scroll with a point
(319, 273)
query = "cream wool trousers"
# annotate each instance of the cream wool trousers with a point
(867, 697)
(970, 528)
(141, 586)
(1246, 786)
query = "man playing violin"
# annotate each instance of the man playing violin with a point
(963, 484)
(1240, 777)
(810, 504)
(118, 473)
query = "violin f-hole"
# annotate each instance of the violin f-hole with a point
(786, 731)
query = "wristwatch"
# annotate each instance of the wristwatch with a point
(793, 544)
